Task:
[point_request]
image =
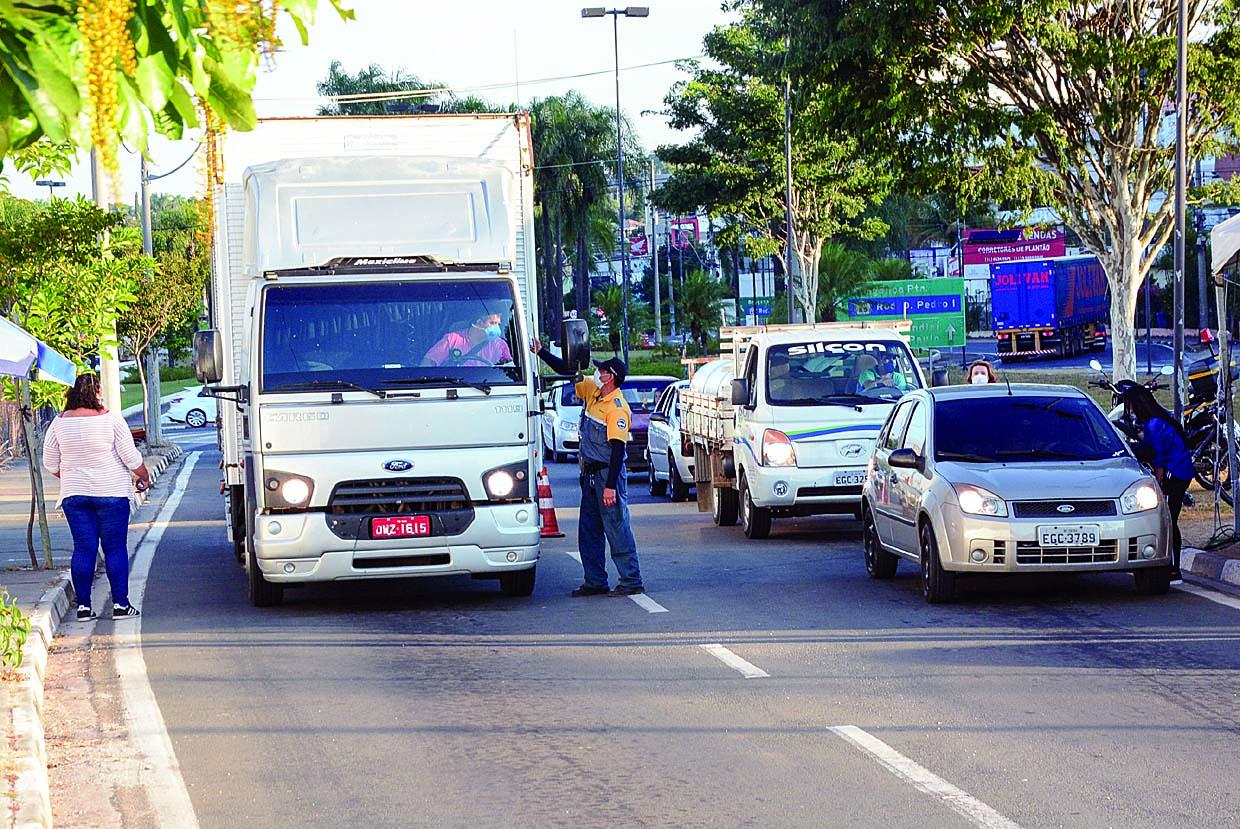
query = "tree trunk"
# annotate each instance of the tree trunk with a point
(557, 278)
(1123, 269)
(33, 442)
(582, 277)
(151, 406)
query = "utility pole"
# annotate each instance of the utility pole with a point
(671, 281)
(109, 367)
(1181, 187)
(154, 429)
(789, 228)
(1203, 290)
(654, 259)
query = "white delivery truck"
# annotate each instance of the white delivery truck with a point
(372, 298)
(784, 423)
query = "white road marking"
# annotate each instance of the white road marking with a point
(648, 604)
(1212, 595)
(574, 555)
(924, 780)
(747, 669)
(161, 777)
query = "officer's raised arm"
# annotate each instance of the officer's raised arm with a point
(555, 363)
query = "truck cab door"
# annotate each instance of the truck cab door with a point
(745, 427)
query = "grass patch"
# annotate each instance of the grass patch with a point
(131, 394)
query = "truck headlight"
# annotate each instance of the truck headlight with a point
(777, 449)
(510, 482)
(1140, 497)
(977, 501)
(286, 490)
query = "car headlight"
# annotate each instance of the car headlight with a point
(1140, 497)
(568, 425)
(510, 482)
(286, 490)
(777, 449)
(977, 501)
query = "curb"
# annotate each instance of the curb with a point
(1211, 566)
(32, 793)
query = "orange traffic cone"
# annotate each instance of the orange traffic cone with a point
(546, 506)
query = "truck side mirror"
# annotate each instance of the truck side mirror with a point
(740, 391)
(938, 377)
(208, 356)
(575, 341)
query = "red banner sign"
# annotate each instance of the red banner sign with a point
(986, 246)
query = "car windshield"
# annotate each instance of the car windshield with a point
(1003, 428)
(642, 394)
(388, 335)
(814, 374)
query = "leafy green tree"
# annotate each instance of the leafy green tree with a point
(888, 269)
(1050, 102)
(734, 166)
(841, 273)
(610, 301)
(698, 306)
(66, 294)
(374, 90)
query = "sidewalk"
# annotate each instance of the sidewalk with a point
(1216, 568)
(45, 597)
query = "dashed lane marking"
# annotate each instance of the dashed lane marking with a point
(166, 791)
(923, 779)
(1212, 595)
(747, 669)
(641, 599)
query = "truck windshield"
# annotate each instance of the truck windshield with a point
(385, 335)
(815, 374)
(999, 428)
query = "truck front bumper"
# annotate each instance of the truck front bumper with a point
(299, 547)
(811, 491)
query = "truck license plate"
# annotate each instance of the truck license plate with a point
(851, 477)
(400, 526)
(1068, 536)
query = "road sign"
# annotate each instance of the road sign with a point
(935, 307)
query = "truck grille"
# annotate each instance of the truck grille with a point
(353, 503)
(1028, 552)
(1050, 509)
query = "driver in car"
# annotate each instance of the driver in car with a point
(482, 344)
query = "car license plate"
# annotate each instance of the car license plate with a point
(1069, 536)
(851, 477)
(400, 526)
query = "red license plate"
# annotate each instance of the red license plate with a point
(401, 526)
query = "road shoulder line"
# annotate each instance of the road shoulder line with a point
(747, 669)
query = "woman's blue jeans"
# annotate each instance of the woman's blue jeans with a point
(94, 520)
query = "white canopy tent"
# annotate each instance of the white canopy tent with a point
(20, 352)
(1225, 245)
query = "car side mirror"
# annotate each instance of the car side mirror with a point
(1095, 365)
(208, 356)
(575, 340)
(904, 459)
(658, 417)
(938, 377)
(740, 392)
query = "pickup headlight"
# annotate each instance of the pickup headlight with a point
(977, 501)
(568, 425)
(286, 490)
(1140, 497)
(510, 482)
(777, 449)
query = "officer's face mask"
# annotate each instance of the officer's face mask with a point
(597, 379)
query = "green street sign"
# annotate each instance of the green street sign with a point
(934, 306)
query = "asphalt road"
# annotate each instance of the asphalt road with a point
(1051, 701)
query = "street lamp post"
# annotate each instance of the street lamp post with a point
(616, 14)
(50, 184)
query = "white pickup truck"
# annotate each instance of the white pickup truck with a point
(783, 425)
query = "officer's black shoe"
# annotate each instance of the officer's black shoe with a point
(589, 590)
(621, 590)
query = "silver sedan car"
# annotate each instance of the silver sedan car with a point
(1026, 479)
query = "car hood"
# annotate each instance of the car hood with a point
(1048, 480)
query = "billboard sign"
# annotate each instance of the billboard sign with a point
(986, 246)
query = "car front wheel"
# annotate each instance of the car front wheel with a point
(657, 488)
(196, 418)
(937, 585)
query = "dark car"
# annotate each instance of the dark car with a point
(641, 392)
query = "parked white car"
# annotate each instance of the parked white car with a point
(193, 407)
(671, 473)
(560, 421)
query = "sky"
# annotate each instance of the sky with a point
(466, 44)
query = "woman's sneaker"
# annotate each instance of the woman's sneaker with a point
(85, 614)
(124, 611)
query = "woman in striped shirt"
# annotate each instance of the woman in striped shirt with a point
(91, 450)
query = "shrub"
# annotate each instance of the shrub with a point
(14, 629)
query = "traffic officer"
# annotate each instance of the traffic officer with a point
(604, 517)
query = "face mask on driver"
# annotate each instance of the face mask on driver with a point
(979, 379)
(493, 332)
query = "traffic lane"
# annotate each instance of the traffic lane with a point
(440, 702)
(1059, 671)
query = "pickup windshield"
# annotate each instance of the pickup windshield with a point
(1002, 428)
(839, 373)
(390, 335)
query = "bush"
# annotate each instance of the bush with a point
(14, 629)
(166, 374)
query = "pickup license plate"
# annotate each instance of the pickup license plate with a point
(851, 477)
(1074, 535)
(400, 526)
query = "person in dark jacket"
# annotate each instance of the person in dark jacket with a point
(604, 520)
(1171, 461)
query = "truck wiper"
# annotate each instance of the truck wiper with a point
(328, 384)
(437, 381)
